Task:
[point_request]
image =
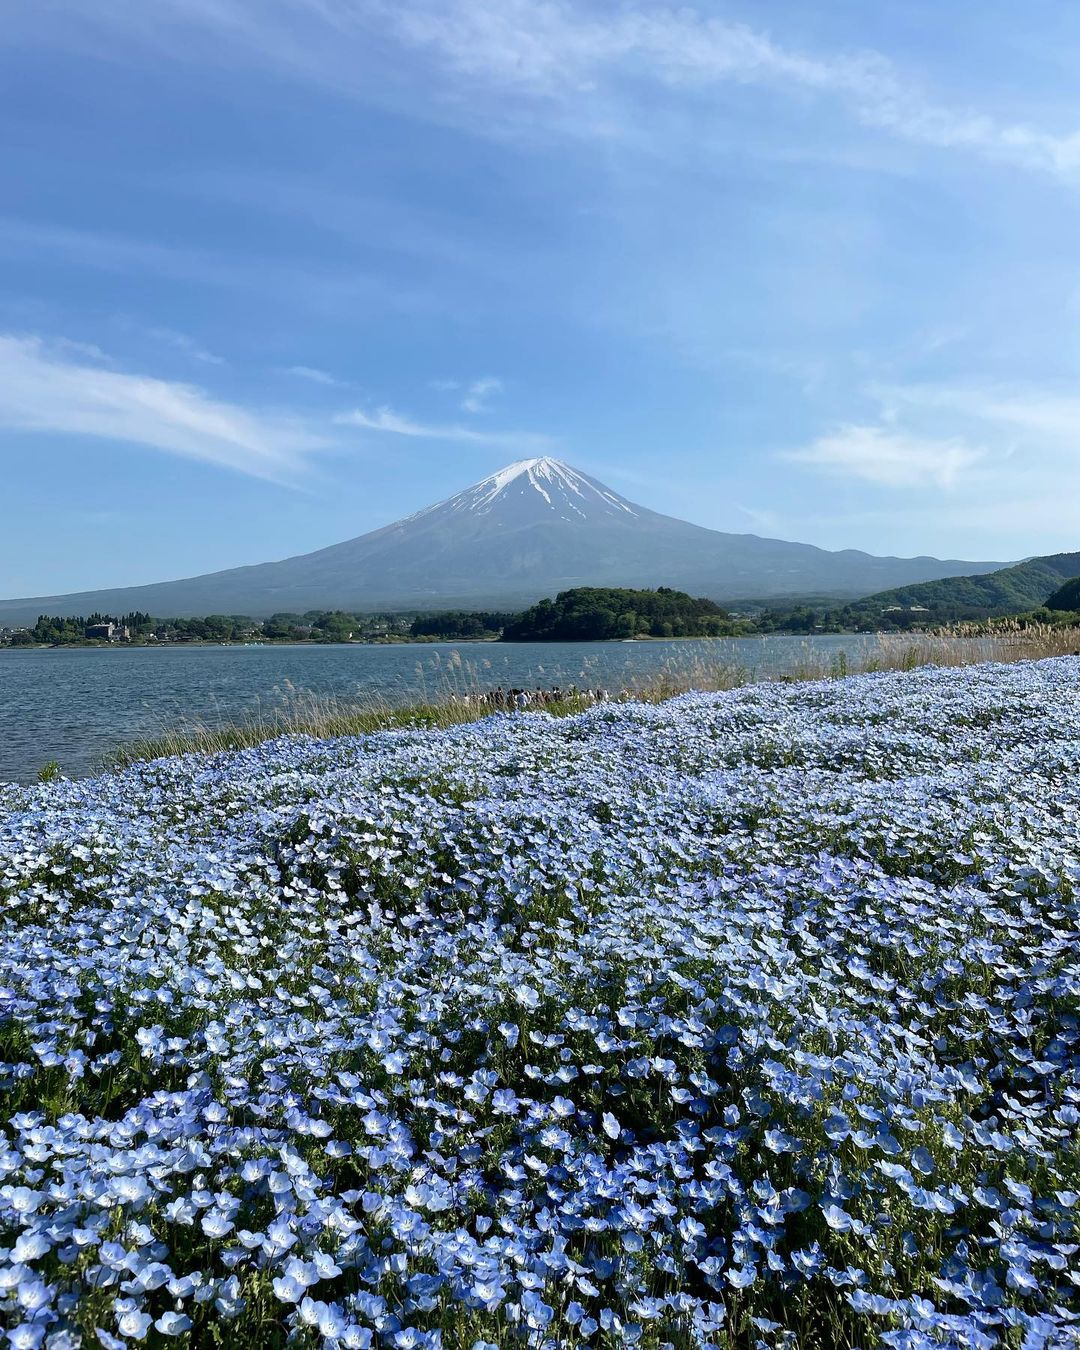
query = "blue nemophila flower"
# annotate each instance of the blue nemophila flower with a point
(837, 1219)
(173, 1323)
(328, 1319)
(215, 1224)
(356, 1024)
(134, 1324)
(779, 1141)
(837, 1127)
(741, 1277)
(27, 1335)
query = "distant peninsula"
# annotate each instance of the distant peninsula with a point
(599, 614)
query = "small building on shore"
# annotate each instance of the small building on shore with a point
(109, 632)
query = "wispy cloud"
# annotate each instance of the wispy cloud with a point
(316, 376)
(44, 389)
(1027, 416)
(762, 519)
(476, 395)
(586, 60)
(385, 419)
(90, 350)
(109, 252)
(479, 394)
(888, 457)
(182, 342)
(315, 286)
(565, 52)
(1004, 460)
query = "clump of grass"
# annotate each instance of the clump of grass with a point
(49, 771)
(455, 695)
(323, 716)
(959, 646)
(1031, 641)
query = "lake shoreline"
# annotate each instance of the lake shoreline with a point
(91, 646)
(458, 641)
(325, 721)
(80, 709)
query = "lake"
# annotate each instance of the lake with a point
(75, 704)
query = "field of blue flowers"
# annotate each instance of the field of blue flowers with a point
(745, 1019)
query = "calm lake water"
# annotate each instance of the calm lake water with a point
(75, 704)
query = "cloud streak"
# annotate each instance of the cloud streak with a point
(318, 286)
(385, 420)
(586, 61)
(889, 458)
(564, 52)
(1038, 417)
(44, 389)
(981, 454)
(314, 375)
(479, 394)
(182, 342)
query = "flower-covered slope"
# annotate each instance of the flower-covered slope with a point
(750, 1017)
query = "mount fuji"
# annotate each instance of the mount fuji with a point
(530, 530)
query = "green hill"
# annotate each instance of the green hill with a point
(1067, 597)
(596, 614)
(1012, 590)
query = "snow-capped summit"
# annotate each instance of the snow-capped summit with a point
(535, 528)
(544, 486)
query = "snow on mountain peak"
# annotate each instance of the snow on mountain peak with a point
(560, 487)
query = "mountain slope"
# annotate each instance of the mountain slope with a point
(1067, 598)
(1011, 590)
(533, 528)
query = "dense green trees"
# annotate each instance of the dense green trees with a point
(279, 627)
(316, 626)
(1012, 590)
(51, 628)
(592, 613)
(139, 627)
(58, 630)
(1066, 597)
(460, 624)
(335, 626)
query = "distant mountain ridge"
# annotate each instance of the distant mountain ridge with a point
(1010, 590)
(534, 528)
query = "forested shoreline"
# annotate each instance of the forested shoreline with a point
(581, 614)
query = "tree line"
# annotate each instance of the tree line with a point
(584, 613)
(137, 627)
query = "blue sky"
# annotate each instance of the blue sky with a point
(276, 272)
